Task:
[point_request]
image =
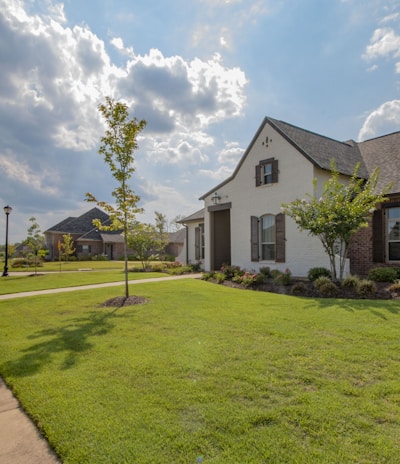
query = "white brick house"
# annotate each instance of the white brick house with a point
(242, 223)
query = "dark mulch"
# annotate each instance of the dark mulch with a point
(120, 301)
(303, 287)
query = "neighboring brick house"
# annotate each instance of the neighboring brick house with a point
(88, 240)
(242, 223)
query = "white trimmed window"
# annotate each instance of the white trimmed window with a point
(267, 241)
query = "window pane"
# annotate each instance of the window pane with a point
(394, 230)
(394, 213)
(268, 252)
(267, 173)
(394, 251)
(268, 229)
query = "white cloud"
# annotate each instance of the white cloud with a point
(384, 42)
(383, 120)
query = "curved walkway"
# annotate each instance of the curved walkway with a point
(20, 441)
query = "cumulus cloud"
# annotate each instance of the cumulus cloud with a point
(52, 79)
(383, 120)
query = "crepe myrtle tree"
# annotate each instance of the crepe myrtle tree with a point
(117, 147)
(35, 243)
(338, 214)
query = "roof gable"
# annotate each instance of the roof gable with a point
(80, 225)
(316, 148)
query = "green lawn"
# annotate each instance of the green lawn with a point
(27, 283)
(207, 371)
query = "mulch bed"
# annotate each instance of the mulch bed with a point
(120, 301)
(308, 290)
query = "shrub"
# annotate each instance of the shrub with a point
(320, 281)
(100, 258)
(158, 267)
(299, 289)
(21, 262)
(275, 273)
(395, 288)
(382, 274)
(366, 288)
(282, 278)
(208, 275)
(196, 267)
(220, 277)
(178, 270)
(247, 279)
(351, 281)
(265, 271)
(231, 271)
(328, 289)
(316, 272)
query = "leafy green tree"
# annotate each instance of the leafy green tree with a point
(338, 214)
(35, 243)
(161, 227)
(147, 240)
(67, 247)
(117, 147)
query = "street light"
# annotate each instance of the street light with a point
(7, 210)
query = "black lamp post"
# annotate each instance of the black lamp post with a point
(7, 210)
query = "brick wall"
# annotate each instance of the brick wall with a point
(360, 252)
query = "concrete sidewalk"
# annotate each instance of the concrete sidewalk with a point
(9, 296)
(20, 441)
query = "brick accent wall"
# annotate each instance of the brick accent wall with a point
(360, 252)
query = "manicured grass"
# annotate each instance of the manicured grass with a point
(23, 283)
(54, 266)
(204, 370)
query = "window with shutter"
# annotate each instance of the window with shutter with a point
(393, 233)
(267, 172)
(280, 239)
(378, 249)
(254, 238)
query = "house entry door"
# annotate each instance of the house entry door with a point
(221, 232)
(109, 251)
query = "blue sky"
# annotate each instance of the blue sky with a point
(203, 73)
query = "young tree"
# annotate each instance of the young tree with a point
(161, 227)
(341, 211)
(147, 240)
(117, 147)
(35, 242)
(67, 247)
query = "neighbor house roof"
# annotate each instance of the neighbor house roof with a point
(197, 216)
(80, 225)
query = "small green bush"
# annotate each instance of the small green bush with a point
(231, 271)
(208, 276)
(178, 270)
(366, 288)
(322, 280)
(328, 289)
(265, 271)
(283, 278)
(299, 289)
(351, 281)
(21, 262)
(382, 274)
(395, 288)
(316, 272)
(220, 277)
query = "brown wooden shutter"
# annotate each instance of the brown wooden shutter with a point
(258, 175)
(197, 243)
(274, 171)
(378, 244)
(280, 240)
(254, 238)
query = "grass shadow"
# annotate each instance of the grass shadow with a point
(73, 339)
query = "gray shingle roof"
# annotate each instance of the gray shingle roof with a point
(80, 225)
(320, 150)
(383, 152)
(197, 216)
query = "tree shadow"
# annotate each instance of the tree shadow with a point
(376, 307)
(73, 338)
